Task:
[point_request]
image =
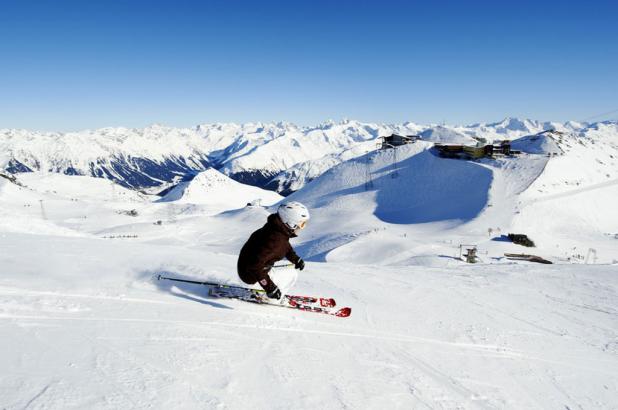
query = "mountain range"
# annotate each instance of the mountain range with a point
(279, 156)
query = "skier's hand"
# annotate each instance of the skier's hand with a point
(300, 265)
(274, 294)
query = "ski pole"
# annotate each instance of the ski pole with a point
(159, 277)
(286, 265)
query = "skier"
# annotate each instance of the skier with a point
(270, 244)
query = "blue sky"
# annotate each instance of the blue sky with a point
(69, 65)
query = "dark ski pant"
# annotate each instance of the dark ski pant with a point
(262, 278)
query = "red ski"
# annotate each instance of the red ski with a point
(323, 302)
(343, 312)
(305, 303)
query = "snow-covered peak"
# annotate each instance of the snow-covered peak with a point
(604, 131)
(252, 152)
(219, 192)
(575, 125)
(441, 134)
(515, 124)
(537, 144)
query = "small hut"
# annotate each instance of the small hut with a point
(395, 140)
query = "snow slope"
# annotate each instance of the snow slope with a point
(445, 135)
(297, 176)
(406, 201)
(24, 210)
(219, 192)
(78, 187)
(85, 324)
(572, 203)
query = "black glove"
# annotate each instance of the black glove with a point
(300, 265)
(274, 294)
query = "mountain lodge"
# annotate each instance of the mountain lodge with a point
(395, 140)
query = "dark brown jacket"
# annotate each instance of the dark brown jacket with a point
(265, 246)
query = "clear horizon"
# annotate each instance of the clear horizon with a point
(72, 65)
(338, 121)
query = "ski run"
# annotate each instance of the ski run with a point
(85, 322)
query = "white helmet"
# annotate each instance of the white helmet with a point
(294, 214)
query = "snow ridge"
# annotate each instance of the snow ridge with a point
(282, 156)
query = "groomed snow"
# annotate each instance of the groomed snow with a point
(99, 332)
(85, 324)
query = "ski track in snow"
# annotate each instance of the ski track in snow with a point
(496, 350)
(406, 359)
(84, 325)
(574, 192)
(385, 337)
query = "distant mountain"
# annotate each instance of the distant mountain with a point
(444, 134)
(281, 156)
(154, 156)
(297, 176)
(131, 157)
(216, 190)
(257, 160)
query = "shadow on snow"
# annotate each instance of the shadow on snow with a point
(188, 291)
(426, 188)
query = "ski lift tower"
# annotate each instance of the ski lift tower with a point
(392, 142)
(368, 179)
(394, 174)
